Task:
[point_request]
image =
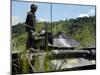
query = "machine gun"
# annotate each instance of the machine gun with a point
(89, 55)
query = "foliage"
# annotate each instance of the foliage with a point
(81, 29)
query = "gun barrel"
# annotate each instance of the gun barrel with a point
(93, 52)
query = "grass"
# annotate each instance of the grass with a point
(19, 43)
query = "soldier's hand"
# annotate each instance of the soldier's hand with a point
(33, 33)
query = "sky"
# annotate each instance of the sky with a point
(43, 13)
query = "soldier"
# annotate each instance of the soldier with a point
(30, 26)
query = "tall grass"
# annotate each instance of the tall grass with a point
(24, 62)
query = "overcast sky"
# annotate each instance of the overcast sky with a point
(59, 11)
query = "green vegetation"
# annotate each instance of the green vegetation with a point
(81, 29)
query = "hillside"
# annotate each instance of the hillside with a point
(81, 29)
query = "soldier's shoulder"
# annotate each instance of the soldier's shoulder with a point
(29, 13)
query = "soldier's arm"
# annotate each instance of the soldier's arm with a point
(28, 22)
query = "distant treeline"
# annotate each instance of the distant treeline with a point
(82, 29)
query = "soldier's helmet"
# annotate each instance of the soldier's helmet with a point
(33, 7)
